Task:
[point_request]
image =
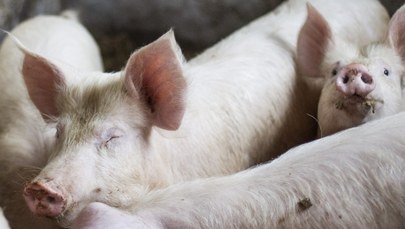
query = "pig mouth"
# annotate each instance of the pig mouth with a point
(358, 105)
(66, 218)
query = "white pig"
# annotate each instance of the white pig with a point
(360, 83)
(24, 136)
(162, 120)
(322, 184)
(3, 221)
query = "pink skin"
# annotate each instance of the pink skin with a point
(99, 145)
(354, 79)
(43, 201)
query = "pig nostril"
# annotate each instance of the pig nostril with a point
(51, 199)
(345, 79)
(366, 79)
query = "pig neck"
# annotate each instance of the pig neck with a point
(242, 108)
(232, 123)
(218, 139)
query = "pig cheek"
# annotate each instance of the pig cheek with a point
(80, 197)
(390, 97)
(326, 113)
(328, 99)
(117, 167)
(330, 114)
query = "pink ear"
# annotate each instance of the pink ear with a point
(42, 79)
(154, 73)
(396, 34)
(313, 41)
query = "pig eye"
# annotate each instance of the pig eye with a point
(386, 72)
(109, 136)
(335, 69)
(111, 139)
(334, 72)
(58, 130)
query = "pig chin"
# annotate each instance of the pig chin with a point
(65, 220)
(358, 106)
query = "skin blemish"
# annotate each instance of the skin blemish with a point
(339, 105)
(371, 103)
(304, 204)
(281, 220)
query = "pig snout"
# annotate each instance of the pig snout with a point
(354, 79)
(43, 201)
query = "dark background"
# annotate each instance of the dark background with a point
(121, 26)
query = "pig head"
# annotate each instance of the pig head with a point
(103, 124)
(358, 84)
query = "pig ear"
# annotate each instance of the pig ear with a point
(313, 41)
(42, 79)
(396, 34)
(154, 74)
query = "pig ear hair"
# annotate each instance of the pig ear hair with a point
(154, 74)
(396, 34)
(16, 41)
(42, 79)
(313, 41)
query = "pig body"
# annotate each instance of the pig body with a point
(161, 120)
(24, 136)
(321, 184)
(360, 83)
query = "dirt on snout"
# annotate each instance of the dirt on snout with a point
(358, 104)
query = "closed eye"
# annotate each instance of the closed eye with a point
(109, 137)
(112, 138)
(58, 131)
(110, 142)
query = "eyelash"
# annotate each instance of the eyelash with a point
(109, 137)
(58, 130)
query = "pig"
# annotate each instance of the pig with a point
(25, 138)
(3, 221)
(321, 184)
(163, 120)
(360, 83)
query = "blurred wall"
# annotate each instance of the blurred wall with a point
(121, 26)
